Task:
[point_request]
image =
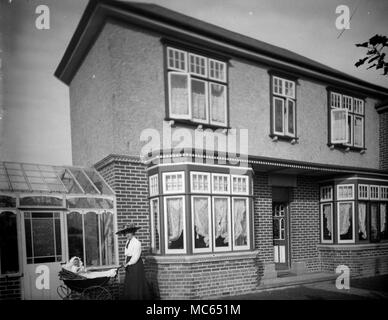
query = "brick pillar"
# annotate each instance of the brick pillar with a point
(304, 225)
(383, 139)
(262, 193)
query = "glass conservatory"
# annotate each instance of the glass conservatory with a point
(49, 214)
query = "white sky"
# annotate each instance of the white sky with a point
(35, 126)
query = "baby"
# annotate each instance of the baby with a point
(75, 265)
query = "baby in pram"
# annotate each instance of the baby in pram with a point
(75, 265)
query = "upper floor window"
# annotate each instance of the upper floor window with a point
(197, 88)
(283, 107)
(346, 120)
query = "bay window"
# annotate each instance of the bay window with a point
(327, 223)
(201, 215)
(222, 225)
(283, 111)
(345, 222)
(346, 120)
(240, 223)
(197, 88)
(175, 225)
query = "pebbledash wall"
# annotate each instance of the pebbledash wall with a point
(383, 139)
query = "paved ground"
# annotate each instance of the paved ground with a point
(366, 288)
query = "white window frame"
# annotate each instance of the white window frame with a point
(331, 193)
(207, 102)
(229, 247)
(199, 250)
(339, 141)
(247, 246)
(370, 192)
(361, 105)
(345, 185)
(274, 116)
(360, 197)
(168, 60)
(346, 97)
(286, 117)
(337, 99)
(192, 173)
(246, 181)
(221, 175)
(154, 185)
(383, 192)
(362, 127)
(338, 224)
(218, 123)
(165, 174)
(332, 223)
(179, 116)
(153, 236)
(282, 84)
(189, 65)
(349, 124)
(224, 79)
(167, 250)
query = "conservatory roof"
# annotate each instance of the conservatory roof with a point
(28, 178)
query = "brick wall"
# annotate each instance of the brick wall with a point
(10, 288)
(383, 140)
(304, 223)
(365, 261)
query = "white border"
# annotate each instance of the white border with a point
(195, 250)
(247, 246)
(338, 224)
(332, 224)
(167, 250)
(229, 247)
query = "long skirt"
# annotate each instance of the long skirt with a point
(135, 285)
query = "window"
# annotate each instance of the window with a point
(283, 107)
(383, 221)
(200, 182)
(240, 184)
(363, 192)
(174, 224)
(374, 222)
(201, 216)
(362, 221)
(346, 120)
(221, 183)
(345, 222)
(327, 193)
(327, 223)
(155, 225)
(197, 88)
(222, 226)
(9, 256)
(374, 192)
(173, 182)
(240, 220)
(91, 237)
(345, 192)
(154, 185)
(384, 193)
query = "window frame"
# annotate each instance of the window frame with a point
(330, 187)
(353, 240)
(169, 48)
(247, 246)
(246, 181)
(224, 79)
(207, 174)
(207, 102)
(165, 174)
(229, 247)
(338, 192)
(153, 191)
(209, 213)
(384, 194)
(228, 192)
(213, 122)
(377, 187)
(173, 115)
(332, 221)
(153, 236)
(18, 240)
(361, 185)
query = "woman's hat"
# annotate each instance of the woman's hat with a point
(128, 229)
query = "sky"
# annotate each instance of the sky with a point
(34, 105)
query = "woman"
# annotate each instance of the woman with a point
(135, 285)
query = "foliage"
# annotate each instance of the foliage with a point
(375, 57)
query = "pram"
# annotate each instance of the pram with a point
(86, 285)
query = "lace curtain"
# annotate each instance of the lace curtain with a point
(221, 219)
(383, 217)
(345, 218)
(198, 100)
(179, 94)
(327, 214)
(240, 228)
(362, 220)
(175, 218)
(218, 102)
(201, 218)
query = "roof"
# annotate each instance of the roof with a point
(173, 23)
(32, 178)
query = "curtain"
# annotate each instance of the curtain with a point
(338, 124)
(175, 218)
(107, 238)
(328, 216)
(179, 94)
(240, 228)
(358, 128)
(345, 218)
(201, 218)
(383, 217)
(221, 219)
(362, 220)
(218, 102)
(198, 99)
(279, 115)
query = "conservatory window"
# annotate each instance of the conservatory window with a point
(362, 221)
(327, 223)
(174, 211)
(345, 222)
(201, 216)
(9, 257)
(240, 220)
(222, 226)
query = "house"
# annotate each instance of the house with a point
(241, 162)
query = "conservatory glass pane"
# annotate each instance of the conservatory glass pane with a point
(83, 181)
(98, 182)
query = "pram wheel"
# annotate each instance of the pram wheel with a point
(96, 293)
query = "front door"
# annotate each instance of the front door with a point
(43, 251)
(280, 235)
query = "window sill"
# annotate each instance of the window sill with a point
(192, 124)
(203, 257)
(353, 247)
(346, 148)
(276, 137)
(11, 276)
